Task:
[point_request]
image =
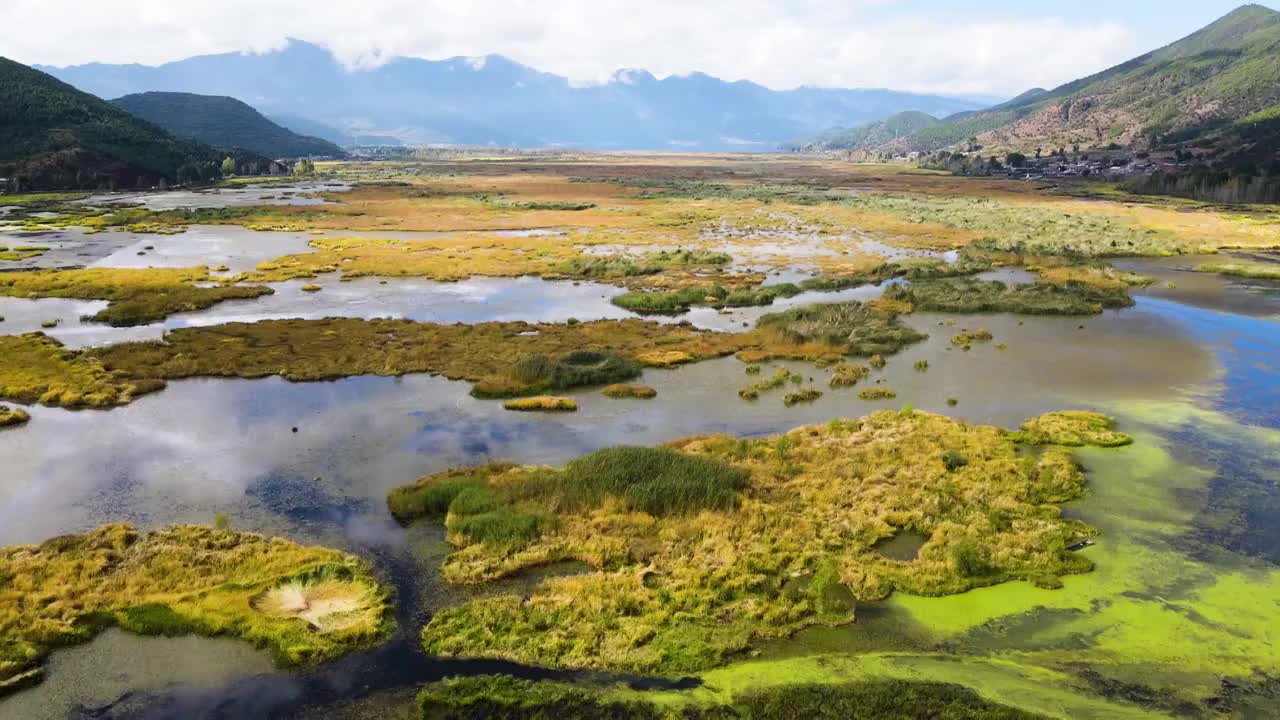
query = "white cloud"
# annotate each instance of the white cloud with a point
(779, 43)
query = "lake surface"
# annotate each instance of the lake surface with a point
(1193, 370)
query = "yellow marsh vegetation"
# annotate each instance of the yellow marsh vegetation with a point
(303, 603)
(685, 573)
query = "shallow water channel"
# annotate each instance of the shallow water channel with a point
(1193, 371)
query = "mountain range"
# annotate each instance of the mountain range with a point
(494, 100)
(222, 122)
(1216, 91)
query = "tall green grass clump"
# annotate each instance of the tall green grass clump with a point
(432, 496)
(670, 302)
(659, 481)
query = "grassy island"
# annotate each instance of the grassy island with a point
(304, 604)
(12, 417)
(38, 369)
(542, 403)
(702, 547)
(1073, 297)
(630, 392)
(502, 359)
(136, 296)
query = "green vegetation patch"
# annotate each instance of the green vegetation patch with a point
(780, 377)
(630, 392)
(539, 373)
(657, 481)
(978, 296)
(680, 300)
(137, 296)
(799, 397)
(925, 268)
(12, 417)
(703, 547)
(305, 604)
(624, 266)
(674, 302)
(503, 697)
(542, 403)
(25, 252)
(1073, 428)
(1018, 228)
(964, 339)
(38, 369)
(504, 359)
(877, 393)
(1251, 270)
(862, 329)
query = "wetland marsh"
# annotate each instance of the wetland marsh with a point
(689, 541)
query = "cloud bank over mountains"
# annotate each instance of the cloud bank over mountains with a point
(918, 47)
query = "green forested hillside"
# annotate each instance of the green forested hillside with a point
(53, 136)
(1217, 90)
(223, 122)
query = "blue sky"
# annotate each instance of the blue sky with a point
(981, 47)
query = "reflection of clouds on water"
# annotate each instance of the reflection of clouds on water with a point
(191, 451)
(462, 437)
(238, 248)
(206, 446)
(24, 316)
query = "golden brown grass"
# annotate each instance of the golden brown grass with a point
(679, 592)
(848, 374)
(542, 403)
(305, 604)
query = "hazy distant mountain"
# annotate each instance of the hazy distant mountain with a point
(222, 122)
(493, 100)
(1218, 89)
(872, 135)
(307, 126)
(54, 136)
